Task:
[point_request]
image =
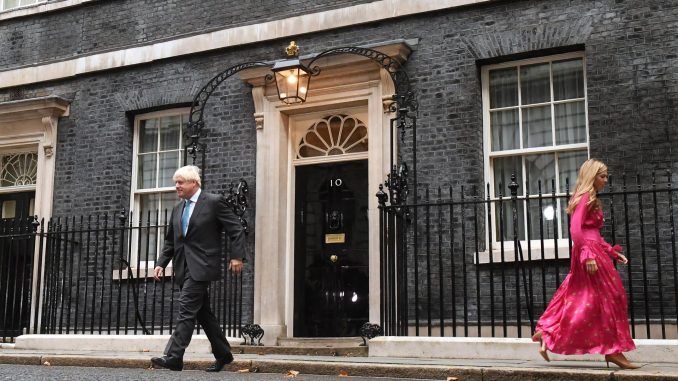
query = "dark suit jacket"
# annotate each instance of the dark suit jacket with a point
(200, 249)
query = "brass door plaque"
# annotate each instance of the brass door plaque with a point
(335, 238)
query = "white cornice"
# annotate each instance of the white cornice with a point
(292, 26)
(34, 108)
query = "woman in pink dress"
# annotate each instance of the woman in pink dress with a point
(588, 311)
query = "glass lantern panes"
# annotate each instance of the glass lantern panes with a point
(537, 131)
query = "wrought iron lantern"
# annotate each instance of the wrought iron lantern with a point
(292, 78)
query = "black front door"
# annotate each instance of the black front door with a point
(16, 262)
(331, 250)
(16, 205)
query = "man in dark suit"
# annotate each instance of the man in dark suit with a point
(193, 244)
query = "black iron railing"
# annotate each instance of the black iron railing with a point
(93, 275)
(17, 257)
(460, 263)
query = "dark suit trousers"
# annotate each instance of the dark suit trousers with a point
(194, 305)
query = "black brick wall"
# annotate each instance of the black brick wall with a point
(632, 82)
(114, 24)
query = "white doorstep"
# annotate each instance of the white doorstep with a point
(114, 343)
(503, 349)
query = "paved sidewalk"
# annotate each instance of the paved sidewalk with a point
(464, 370)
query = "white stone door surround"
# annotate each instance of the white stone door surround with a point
(30, 125)
(345, 83)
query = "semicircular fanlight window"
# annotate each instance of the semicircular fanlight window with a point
(334, 135)
(18, 169)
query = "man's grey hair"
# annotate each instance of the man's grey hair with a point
(188, 173)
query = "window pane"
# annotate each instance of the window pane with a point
(504, 218)
(564, 228)
(148, 203)
(534, 84)
(148, 136)
(167, 201)
(149, 242)
(540, 168)
(537, 127)
(503, 167)
(568, 166)
(147, 171)
(170, 130)
(11, 4)
(542, 219)
(570, 122)
(504, 127)
(568, 79)
(503, 88)
(148, 209)
(169, 163)
(9, 209)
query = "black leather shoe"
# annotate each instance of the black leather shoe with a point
(220, 363)
(168, 362)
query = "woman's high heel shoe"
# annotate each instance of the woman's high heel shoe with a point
(620, 360)
(542, 346)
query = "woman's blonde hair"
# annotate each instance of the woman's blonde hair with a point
(188, 173)
(587, 176)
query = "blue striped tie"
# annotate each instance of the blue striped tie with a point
(184, 216)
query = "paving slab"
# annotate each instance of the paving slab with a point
(419, 368)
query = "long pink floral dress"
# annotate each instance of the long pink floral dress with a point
(588, 312)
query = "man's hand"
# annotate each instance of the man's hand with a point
(157, 271)
(591, 266)
(621, 258)
(235, 265)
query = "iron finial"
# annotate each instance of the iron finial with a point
(513, 185)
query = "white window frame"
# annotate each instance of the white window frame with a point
(146, 267)
(488, 155)
(3, 4)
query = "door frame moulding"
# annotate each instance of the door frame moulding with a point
(345, 82)
(297, 125)
(31, 125)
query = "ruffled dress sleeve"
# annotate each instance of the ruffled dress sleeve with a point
(577, 230)
(612, 250)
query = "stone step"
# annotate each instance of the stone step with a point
(199, 344)
(305, 350)
(321, 342)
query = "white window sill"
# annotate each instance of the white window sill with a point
(535, 253)
(140, 272)
(43, 6)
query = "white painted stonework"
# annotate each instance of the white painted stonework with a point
(30, 125)
(224, 38)
(347, 84)
(112, 343)
(503, 349)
